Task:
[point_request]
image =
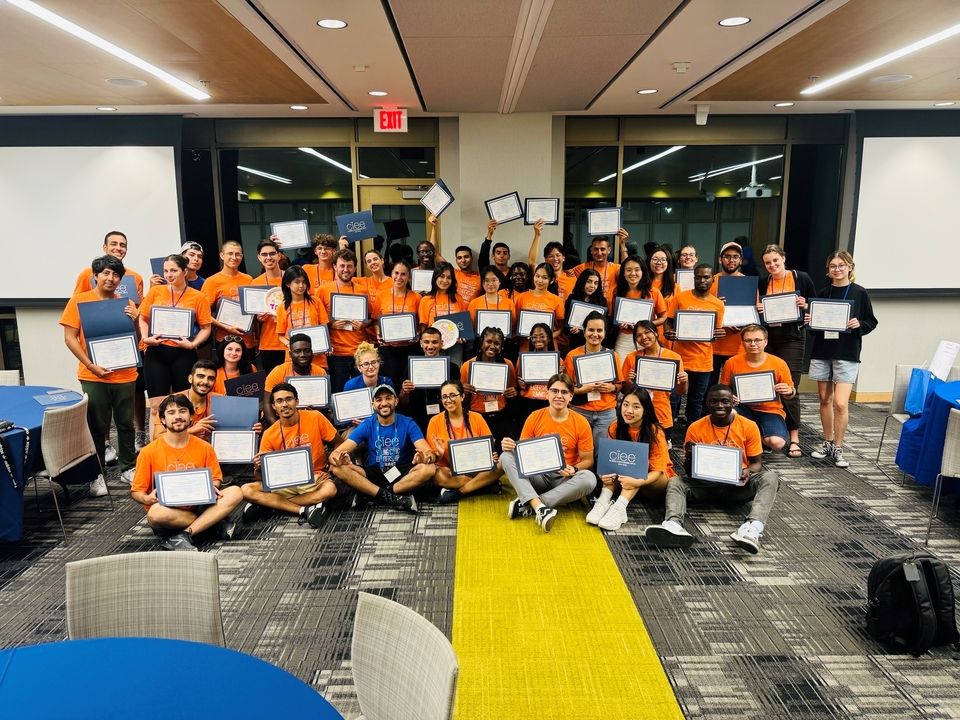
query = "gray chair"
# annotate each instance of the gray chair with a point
(901, 381)
(149, 594)
(404, 668)
(949, 465)
(10, 377)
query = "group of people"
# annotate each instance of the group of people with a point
(401, 450)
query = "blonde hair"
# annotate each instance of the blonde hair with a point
(364, 348)
(846, 257)
(774, 248)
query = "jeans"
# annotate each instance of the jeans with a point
(697, 385)
(761, 488)
(599, 420)
(552, 488)
(104, 399)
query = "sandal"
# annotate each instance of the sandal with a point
(794, 450)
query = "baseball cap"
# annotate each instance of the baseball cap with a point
(191, 246)
(380, 388)
(731, 245)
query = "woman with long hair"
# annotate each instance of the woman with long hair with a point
(442, 300)
(648, 345)
(394, 299)
(633, 283)
(587, 289)
(492, 298)
(541, 299)
(494, 406)
(533, 396)
(233, 360)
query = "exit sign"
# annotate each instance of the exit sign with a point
(390, 120)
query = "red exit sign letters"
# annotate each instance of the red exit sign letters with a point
(390, 120)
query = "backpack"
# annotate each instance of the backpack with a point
(911, 603)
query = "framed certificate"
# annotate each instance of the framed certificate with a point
(684, 279)
(529, 318)
(505, 208)
(489, 378)
(421, 280)
(286, 468)
(780, 308)
(755, 387)
(538, 367)
(234, 447)
(580, 310)
(695, 325)
(319, 337)
(292, 234)
(627, 311)
(716, 463)
(540, 455)
(830, 315)
(502, 319)
(348, 307)
(737, 316)
(471, 455)
(312, 390)
(114, 353)
(400, 327)
(168, 322)
(438, 198)
(623, 457)
(428, 372)
(599, 367)
(352, 405)
(229, 313)
(546, 209)
(603, 221)
(185, 488)
(656, 374)
(253, 299)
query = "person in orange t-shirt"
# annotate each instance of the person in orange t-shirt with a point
(301, 363)
(233, 360)
(325, 246)
(345, 335)
(646, 339)
(270, 351)
(731, 256)
(494, 406)
(600, 249)
(225, 285)
(540, 299)
(114, 244)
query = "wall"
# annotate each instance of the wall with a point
(46, 360)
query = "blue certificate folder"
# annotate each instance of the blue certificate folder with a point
(464, 324)
(104, 318)
(737, 290)
(156, 266)
(234, 413)
(623, 457)
(356, 226)
(249, 386)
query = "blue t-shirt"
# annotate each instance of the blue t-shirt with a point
(387, 445)
(356, 382)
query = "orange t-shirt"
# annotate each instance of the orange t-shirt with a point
(438, 429)
(188, 299)
(786, 285)
(479, 400)
(431, 307)
(318, 276)
(697, 356)
(565, 285)
(302, 313)
(608, 400)
(729, 344)
(283, 371)
(743, 434)
(198, 414)
(342, 342)
(659, 458)
(71, 318)
(608, 277)
(386, 304)
(501, 303)
(656, 297)
(661, 398)
(468, 286)
(268, 327)
(85, 281)
(312, 429)
(220, 286)
(160, 456)
(738, 365)
(575, 433)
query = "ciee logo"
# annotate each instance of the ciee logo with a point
(356, 226)
(622, 457)
(248, 390)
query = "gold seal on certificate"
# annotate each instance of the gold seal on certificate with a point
(449, 333)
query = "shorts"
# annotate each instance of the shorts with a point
(839, 371)
(375, 474)
(290, 492)
(770, 424)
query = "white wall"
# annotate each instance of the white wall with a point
(46, 360)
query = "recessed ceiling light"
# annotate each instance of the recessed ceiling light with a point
(298, 107)
(126, 82)
(783, 104)
(331, 24)
(734, 21)
(776, 177)
(884, 79)
(944, 104)
(377, 93)
(427, 162)
(104, 108)
(647, 91)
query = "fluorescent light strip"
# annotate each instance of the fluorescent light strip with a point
(889, 57)
(107, 46)
(713, 173)
(311, 151)
(268, 176)
(645, 161)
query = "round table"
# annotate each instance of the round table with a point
(921, 439)
(150, 679)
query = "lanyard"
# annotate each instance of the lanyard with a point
(727, 435)
(393, 301)
(26, 453)
(177, 301)
(396, 438)
(283, 438)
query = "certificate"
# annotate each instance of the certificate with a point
(185, 487)
(695, 325)
(438, 198)
(312, 390)
(599, 367)
(229, 313)
(685, 279)
(627, 311)
(401, 327)
(717, 463)
(428, 372)
(943, 359)
(781, 308)
(472, 455)
(422, 280)
(253, 299)
(546, 209)
(505, 208)
(754, 387)
(352, 405)
(580, 310)
(286, 468)
(538, 367)
(234, 447)
(348, 307)
(292, 234)
(529, 318)
(168, 322)
(623, 457)
(319, 337)
(830, 315)
(656, 374)
(114, 353)
(502, 319)
(489, 377)
(736, 316)
(540, 455)
(603, 221)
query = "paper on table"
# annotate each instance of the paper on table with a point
(629, 311)
(234, 446)
(755, 387)
(540, 455)
(171, 322)
(781, 308)
(489, 377)
(538, 367)
(944, 358)
(655, 374)
(717, 463)
(286, 468)
(114, 353)
(229, 313)
(471, 456)
(597, 367)
(694, 325)
(188, 487)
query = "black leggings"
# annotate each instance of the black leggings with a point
(166, 368)
(791, 352)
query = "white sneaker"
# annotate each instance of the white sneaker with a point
(98, 488)
(127, 476)
(614, 518)
(597, 512)
(109, 454)
(747, 536)
(838, 460)
(823, 450)
(669, 533)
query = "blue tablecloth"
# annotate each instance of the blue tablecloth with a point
(150, 679)
(921, 440)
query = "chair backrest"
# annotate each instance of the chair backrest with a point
(9, 377)
(901, 381)
(950, 463)
(404, 668)
(150, 594)
(954, 374)
(65, 437)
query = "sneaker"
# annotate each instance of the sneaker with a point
(140, 440)
(360, 501)
(600, 507)
(545, 517)
(252, 512)
(180, 541)
(110, 455)
(669, 533)
(823, 450)
(838, 457)
(407, 503)
(98, 488)
(517, 509)
(127, 476)
(228, 529)
(313, 515)
(448, 496)
(614, 517)
(747, 537)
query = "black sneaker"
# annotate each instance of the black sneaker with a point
(406, 503)
(361, 501)
(517, 509)
(312, 514)
(180, 541)
(227, 529)
(253, 512)
(448, 496)
(545, 517)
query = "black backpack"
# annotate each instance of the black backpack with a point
(911, 603)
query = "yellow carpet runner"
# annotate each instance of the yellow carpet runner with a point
(544, 625)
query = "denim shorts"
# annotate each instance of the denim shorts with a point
(840, 371)
(770, 424)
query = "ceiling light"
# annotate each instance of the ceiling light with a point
(377, 93)
(648, 91)
(331, 24)
(298, 107)
(427, 162)
(783, 104)
(944, 104)
(884, 79)
(883, 60)
(107, 46)
(104, 108)
(645, 161)
(734, 21)
(321, 156)
(775, 177)
(126, 82)
(720, 171)
(268, 176)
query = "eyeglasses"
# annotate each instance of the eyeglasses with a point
(449, 398)
(688, 254)
(837, 267)
(232, 338)
(562, 392)
(730, 257)
(753, 341)
(268, 255)
(284, 400)
(369, 364)
(659, 261)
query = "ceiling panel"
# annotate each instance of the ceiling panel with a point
(572, 18)
(460, 74)
(442, 18)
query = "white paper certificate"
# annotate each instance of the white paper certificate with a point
(943, 359)
(185, 487)
(755, 387)
(437, 199)
(830, 315)
(229, 313)
(114, 353)
(505, 208)
(780, 308)
(312, 390)
(489, 377)
(428, 372)
(529, 318)
(603, 221)
(685, 279)
(471, 455)
(735, 316)
(253, 299)
(538, 367)
(695, 325)
(234, 446)
(401, 327)
(292, 234)
(717, 463)
(546, 209)
(421, 280)
(352, 405)
(502, 319)
(597, 367)
(171, 322)
(628, 311)
(580, 310)
(319, 337)
(656, 374)
(348, 307)
(540, 455)
(286, 468)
